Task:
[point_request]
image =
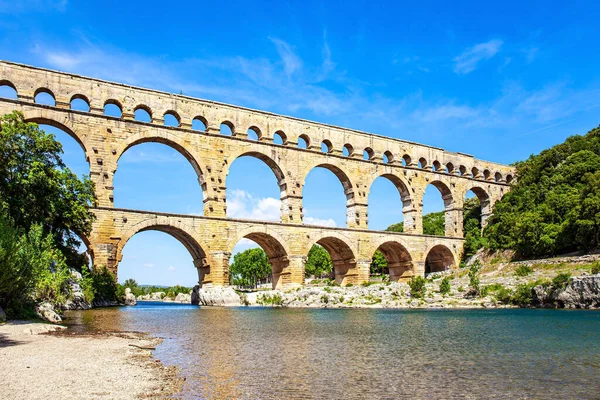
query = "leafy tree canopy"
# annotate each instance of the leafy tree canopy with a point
(318, 262)
(249, 267)
(433, 224)
(37, 188)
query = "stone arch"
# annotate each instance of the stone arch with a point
(228, 124)
(399, 260)
(349, 149)
(256, 131)
(451, 221)
(68, 130)
(368, 153)
(144, 108)
(201, 120)
(439, 258)
(487, 175)
(497, 177)
(342, 256)
(509, 178)
(405, 197)
(114, 102)
(449, 168)
(170, 140)
(388, 157)
(277, 251)
(422, 163)
(342, 177)
(306, 140)
(177, 229)
(406, 160)
(462, 170)
(282, 136)
(44, 90)
(328, 146)
(6, 82)
(175, 115)
(484, 201)
(436, 166)
(82, 97)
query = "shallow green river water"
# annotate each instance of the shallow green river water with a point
(271, 353)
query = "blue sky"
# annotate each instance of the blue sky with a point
(497, 81)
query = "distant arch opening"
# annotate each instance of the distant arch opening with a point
(45, 97)
(8, 90)
(497, 177)
(388, 157)
(436, 200)
(171, 118)
(388, 198)
(279, 138)
(254, 133)
(80, 103)
(303, 141)
(347, 150)
(439, 259)
(450, 168)
(462, 170)
(368, 153)
(199, 124)
(226, 128)
(436, 166)
(326, 146)
(475, 173)
(142, 114)
(113, 108)
(509, 178)
(476, 210)
(391, 259)
(327, 196)
(422, 163)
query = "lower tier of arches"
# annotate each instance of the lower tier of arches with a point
(210, 242)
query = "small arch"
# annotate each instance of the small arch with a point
(347, 150)
(44, 96)
(498, 177)
(406, 160)
(475, 172)
(279, 138)
(303, 141)
(487, 175)
(8, 90)
(112, 108)
(171, 118)
(142, 113)
(368, 153)
(439, 259)
(388, 157)
(449, 168)
(254, 133)
(199, 123)
(226, 128)
(436, 166)
(80, 103)
(509, 178)
(422, 162)
(326, 146)
(462, 170)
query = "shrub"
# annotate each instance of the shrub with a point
(417, 286)
(523, 270)
(474, 277)
(87, 284)
(445, 285)
(523, 295)
(461, 289)
(504, 295)
(561, 280)
(349, 285)
(324, 299)
(595, 269)
(105, 285)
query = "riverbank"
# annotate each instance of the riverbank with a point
(42, 361)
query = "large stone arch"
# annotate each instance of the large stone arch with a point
(172, 141)
(399, 260)
(66, 127)
(438, 257)
(342, 256)
(177, 229)
(484, 200)
(277, 251)
(452, 209)
(403, 187)
(275, 167)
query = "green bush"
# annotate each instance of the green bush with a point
(504, 295)
(445, 285)
(523, 270)
(417, 286)
(561, 280)
(595, 268)
(87, 285)
(105, 286)
(523, 295)
(474, 277)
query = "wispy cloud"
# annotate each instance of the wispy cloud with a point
(320, 222)
(171, 268)
(290, 60)
(241, 204)
(467, 61)
(148, 265)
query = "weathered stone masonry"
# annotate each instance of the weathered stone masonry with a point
(210, 239)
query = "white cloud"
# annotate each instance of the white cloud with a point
(468, 60)
(171, 268)
(241, 204)
(148, 265)
(291, 61)
(320, 222)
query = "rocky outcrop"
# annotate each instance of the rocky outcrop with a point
(195, 296)
(580, 292)
(46, 312)
(77, 300)
(218, 296)
(2, 315)
(183, 298)
(129, 298)
(156, 296)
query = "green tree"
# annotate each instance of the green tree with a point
(249, 267)
(36, 188)
(318, 262)
(379, 264)
(433, 224)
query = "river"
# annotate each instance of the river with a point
(280, 353)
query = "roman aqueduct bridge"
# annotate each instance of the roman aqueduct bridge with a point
(356, 158)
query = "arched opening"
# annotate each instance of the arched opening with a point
(171, 118)
(449, 168)
(436, 200)
(45, 97)
(392, 259)
(475, 172)
(254, 133)
(279, 138)
(406, 160)
(439, 259)
(509, 178)
(436, 166)
(74, 154)
(160, 256)
(80, 103)
(347, 150)
(226, 128)
(326, 146)
(462, 170)
(342, 259)
(303, 141)
(368, 153)
(498, 177)
(476, 210)
(388, 157)
(259, 260)
(422, 163)
(8, 90)
(388, 198)
(199, 124)
(255, 184)
(142, 114)
(327, 196)
(487, 175)
(156, 174)
(112, 108)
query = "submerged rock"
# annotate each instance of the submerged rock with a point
(46, 312)
(129, 298)
(218, 296)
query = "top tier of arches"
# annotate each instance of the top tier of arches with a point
(183, 112)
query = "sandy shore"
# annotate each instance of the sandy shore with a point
(36, 364)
